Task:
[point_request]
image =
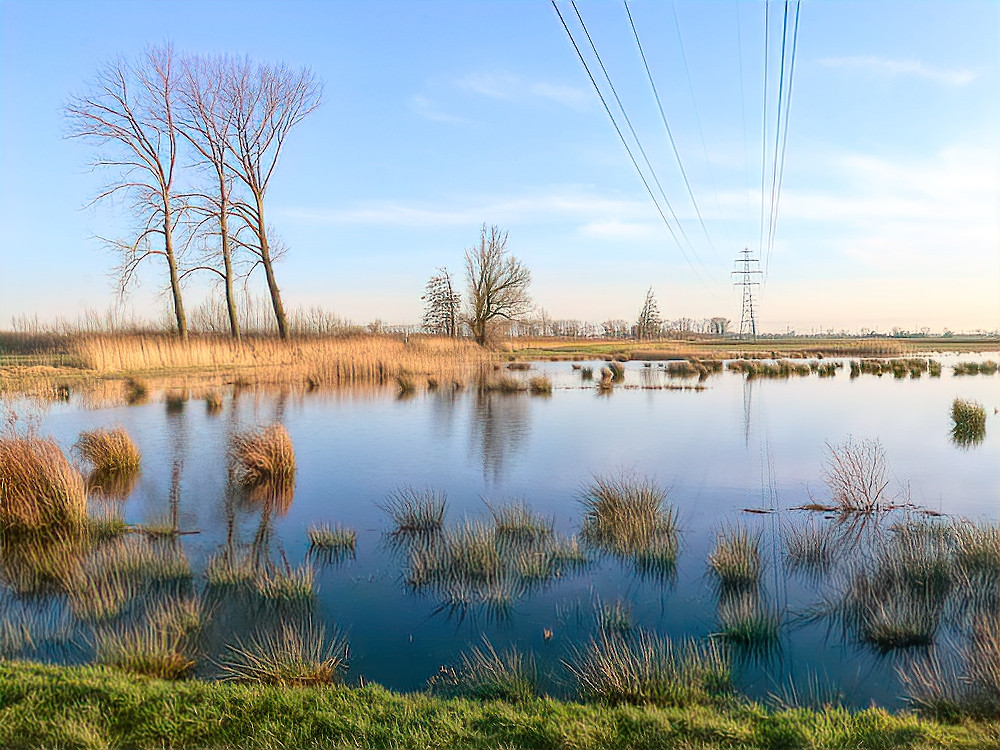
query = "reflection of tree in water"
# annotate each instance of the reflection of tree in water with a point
(500, 425)
(443, 408)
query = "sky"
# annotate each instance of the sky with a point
(438, 117)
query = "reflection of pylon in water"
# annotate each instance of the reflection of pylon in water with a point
(746, 273)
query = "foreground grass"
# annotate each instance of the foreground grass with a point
(90, 707)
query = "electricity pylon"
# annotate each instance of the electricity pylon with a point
(746, 273)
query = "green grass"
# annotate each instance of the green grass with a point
(515, 519)
(294, 655)
(96, 707)
(334, 538)
(487, 674)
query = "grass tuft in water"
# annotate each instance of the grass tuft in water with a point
(746, 624)
(486, 674)
(516, 520)
(649, 669)
(160, 646)
(736, 560)
(415, 511)
(297, 654)
(289, 586)
(810, 548)
(263, 456)
(213, 402)
(540, 386)
(968, 423)
(39, 489)
(334, 538)
(110, 452)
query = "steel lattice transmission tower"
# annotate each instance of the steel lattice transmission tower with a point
(746, 273)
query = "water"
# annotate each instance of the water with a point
(737, 444)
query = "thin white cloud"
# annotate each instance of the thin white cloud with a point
(566, 203)
(427, 109)
(509, 87)
(613, 229)
(884, 66)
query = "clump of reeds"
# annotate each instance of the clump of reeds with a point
(175, 401)
(503, 384)
(977, 550)
(540, 386)
(649, 669)
(617, 371)
(515, 519)
(213, 402)
(486, 674)
(110, 452)
(415, 511)
(629, 516)
(263, 456)
(294, 655)
(968, 422)
(518, 365)
(972, 368)
(406, 384)
(607, 381)
(736, 560)
(336, 539)
(39, 489)
(289, 586)
(587, 373)
(856, 474)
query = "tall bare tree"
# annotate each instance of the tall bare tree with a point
(498, 283)
(266, 102)
(205, 121)
(649, 323)
(441, 304)
(129, 113)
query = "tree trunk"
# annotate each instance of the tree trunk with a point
(227, 260)
(175, 283)
(272, 284)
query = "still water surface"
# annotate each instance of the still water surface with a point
(734, 445)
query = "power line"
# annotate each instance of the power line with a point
(666, 126)
(635, 136)
(777, 138)
(624, 141)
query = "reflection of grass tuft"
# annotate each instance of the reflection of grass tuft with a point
(736, 560)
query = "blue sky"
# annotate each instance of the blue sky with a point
(440, 116)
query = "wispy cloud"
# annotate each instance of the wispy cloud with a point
(883, 66)
(427, 109)
(566, 203)
(514, 88)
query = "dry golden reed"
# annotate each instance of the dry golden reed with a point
(316, 361)
(263, 456)
(109, 451)
(39, 489)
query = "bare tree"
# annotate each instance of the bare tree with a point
(498, 283)
(441, 304)
(129, 113)
(719, 326)
(649, 323)
(205, 121)
(266, 102)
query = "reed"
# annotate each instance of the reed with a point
(617, 371)
(39, 489)
(649, 669)
(503, 384)
(615, 618)
(516, 520)
(336, 538)
(607, 381)
(136, 392)
(262, 456)
(988, 367)
(540, 386)
(587, 373)
(748, 625)
(415, 511)
(977, 550)
(968, 422)
(233, 571)
(521, 366)
(289, 586)
(110, 452)
(486, 674)
(736, 560)
(322, 360)
(630, 517)
(160, 645)
(295, 655)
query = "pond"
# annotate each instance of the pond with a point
(724, 448)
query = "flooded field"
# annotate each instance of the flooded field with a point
(525, 555)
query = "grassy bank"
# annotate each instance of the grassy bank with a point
(88, 707)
